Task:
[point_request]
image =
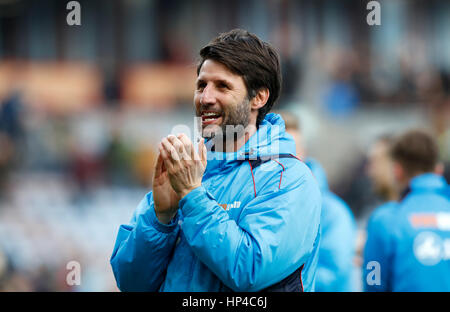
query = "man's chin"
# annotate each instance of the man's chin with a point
(211, 131)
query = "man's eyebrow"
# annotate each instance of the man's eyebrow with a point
(224, 81)
(218, 80)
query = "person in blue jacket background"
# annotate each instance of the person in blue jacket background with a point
(381, 174)
(408, 243)
(242, 213)
(335, 267)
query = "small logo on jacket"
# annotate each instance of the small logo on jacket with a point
(439, 220)
(236, 204)
(430, 248)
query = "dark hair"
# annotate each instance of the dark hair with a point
(416, 151)
(244, 54)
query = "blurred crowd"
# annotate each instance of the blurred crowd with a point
(82, 110)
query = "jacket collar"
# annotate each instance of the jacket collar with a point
(425, 182)
(429, 181)
(270, 139)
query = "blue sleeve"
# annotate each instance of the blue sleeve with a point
(272, 238)
(143, 248)
(378, 253)
(337, 248)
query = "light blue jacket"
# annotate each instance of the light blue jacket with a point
(410, 240)
(244, 229)
(335, 269)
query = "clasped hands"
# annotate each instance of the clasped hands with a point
(179, 170)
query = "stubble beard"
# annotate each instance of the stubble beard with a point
(234, 124)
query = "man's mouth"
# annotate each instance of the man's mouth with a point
(209, 118)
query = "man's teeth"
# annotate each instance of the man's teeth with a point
(209, 119)
(211, 115)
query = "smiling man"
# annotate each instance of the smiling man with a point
(222, 103)
(241, 213)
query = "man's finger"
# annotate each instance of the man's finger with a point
(179, 147)
(188, 146)
(159, 166)
(170, 150)
(167, 161)
(202, 151)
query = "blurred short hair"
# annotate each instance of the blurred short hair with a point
(290, 120)
(244, 54)
(416, 151)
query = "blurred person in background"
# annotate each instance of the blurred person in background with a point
(11, 137)
(409, 242)
(335, 268)
(117, 160)
(6, 154)
(144, 159)
(439, 110)
(229, 219)
(380, 169)
(12, 279)
(287, 37)
(341, 97)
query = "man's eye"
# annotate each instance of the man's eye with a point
(223, 86)
(201, 86)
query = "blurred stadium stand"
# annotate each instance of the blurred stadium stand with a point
(83, 107)
(159, 87)
(53, 87)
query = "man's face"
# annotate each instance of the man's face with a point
(380, 167)
(220, 99)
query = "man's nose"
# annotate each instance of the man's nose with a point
(208, 95)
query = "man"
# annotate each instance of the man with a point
(380, 171)
(335, 268)
(242, 216)
(408, 244)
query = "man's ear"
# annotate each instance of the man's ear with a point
(260, 99)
